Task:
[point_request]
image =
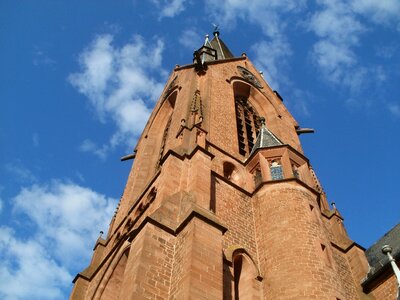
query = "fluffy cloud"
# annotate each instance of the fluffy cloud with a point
(339, 25)
(380, 12)
(191, 39)
(338, 30)
(169, 8)
(27, 271)
(19, 172)
(270, 58)
(266, 14)
(273, 47)
(394, 109)
(91, 147)
(120, 85)
(51, 239)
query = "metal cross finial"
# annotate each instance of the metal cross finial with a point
(216, 29)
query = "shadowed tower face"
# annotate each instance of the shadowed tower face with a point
(221, 202)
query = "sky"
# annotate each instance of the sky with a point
(78, 80)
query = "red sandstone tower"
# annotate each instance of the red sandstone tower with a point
(221, 202)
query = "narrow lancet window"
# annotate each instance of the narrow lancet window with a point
(248, 125)
(257, 177)
(163, 141)
(295, 171)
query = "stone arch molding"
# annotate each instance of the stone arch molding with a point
(110, 269)
(234, 172)
(242, 281)
(256, 96)
(234, 251)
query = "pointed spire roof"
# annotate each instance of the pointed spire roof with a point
(265, 138)
(223, 51)
(213, 50)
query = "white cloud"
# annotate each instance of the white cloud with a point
(338, 30)
(332, 58)
(339, 26)
(380, 12)
(270, 59)
(394, 109)
(35, 139)
(41, 58)
(380, 73)
(190, 38)
(20, 172)
(91, 147)
(80, 176)
(60, 222)
(170, 8)
(336, 22)
(266, 14)
(120, 85)
(386, 51)
(273, 47)
(27, 271)
(97, 62)
(299, 102)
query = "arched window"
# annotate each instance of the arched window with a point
(230, 172)
(257, 176)
(248, 124)
(246, 286)
(242, 279)
(164, 139)
(170, 104)
(295, 169)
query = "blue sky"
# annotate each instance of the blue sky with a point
(79, 79)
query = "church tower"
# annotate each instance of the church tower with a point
(221, 201)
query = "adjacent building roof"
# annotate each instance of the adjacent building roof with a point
(376, 259)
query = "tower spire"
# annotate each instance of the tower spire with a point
(215, 199)
(211, 50)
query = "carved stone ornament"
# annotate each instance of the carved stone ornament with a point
(249, 77)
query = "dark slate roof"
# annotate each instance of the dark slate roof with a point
(222, 50)
(218, 46)
(265, 139)
(376, 259)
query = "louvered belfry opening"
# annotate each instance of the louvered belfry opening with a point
(248, 124)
